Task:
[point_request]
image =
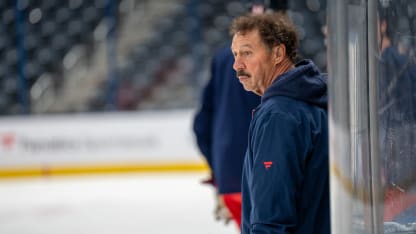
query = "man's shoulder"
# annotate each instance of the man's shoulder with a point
(282, 104)
(276, 107)
(282, 107)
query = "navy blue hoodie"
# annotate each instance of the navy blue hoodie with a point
(221, 124)
(285, 183)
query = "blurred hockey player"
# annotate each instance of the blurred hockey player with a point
(221, 124)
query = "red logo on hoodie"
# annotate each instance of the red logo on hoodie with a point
(268, 164)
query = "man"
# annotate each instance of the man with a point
(221, 124)
(285, 184)
(221, 127)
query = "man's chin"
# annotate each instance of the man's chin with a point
(247, 87)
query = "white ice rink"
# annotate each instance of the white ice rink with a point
(109, 204)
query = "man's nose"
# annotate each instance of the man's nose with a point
(238, 65)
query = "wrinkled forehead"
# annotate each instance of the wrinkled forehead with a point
(249, 39)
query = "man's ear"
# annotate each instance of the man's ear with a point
(279, 53)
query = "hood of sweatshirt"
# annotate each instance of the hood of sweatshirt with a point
(304, 82)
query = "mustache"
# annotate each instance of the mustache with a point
(243, 73)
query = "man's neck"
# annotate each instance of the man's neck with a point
(283, 67)
(280, 68)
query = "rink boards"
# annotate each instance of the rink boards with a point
(98, 143)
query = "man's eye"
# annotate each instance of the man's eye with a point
(245, 53)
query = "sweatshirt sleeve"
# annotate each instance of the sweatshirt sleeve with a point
(203, 121)
(279, 149)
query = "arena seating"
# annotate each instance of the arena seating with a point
(165, 71)
(34, 38)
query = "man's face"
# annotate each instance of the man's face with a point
(253, 61)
